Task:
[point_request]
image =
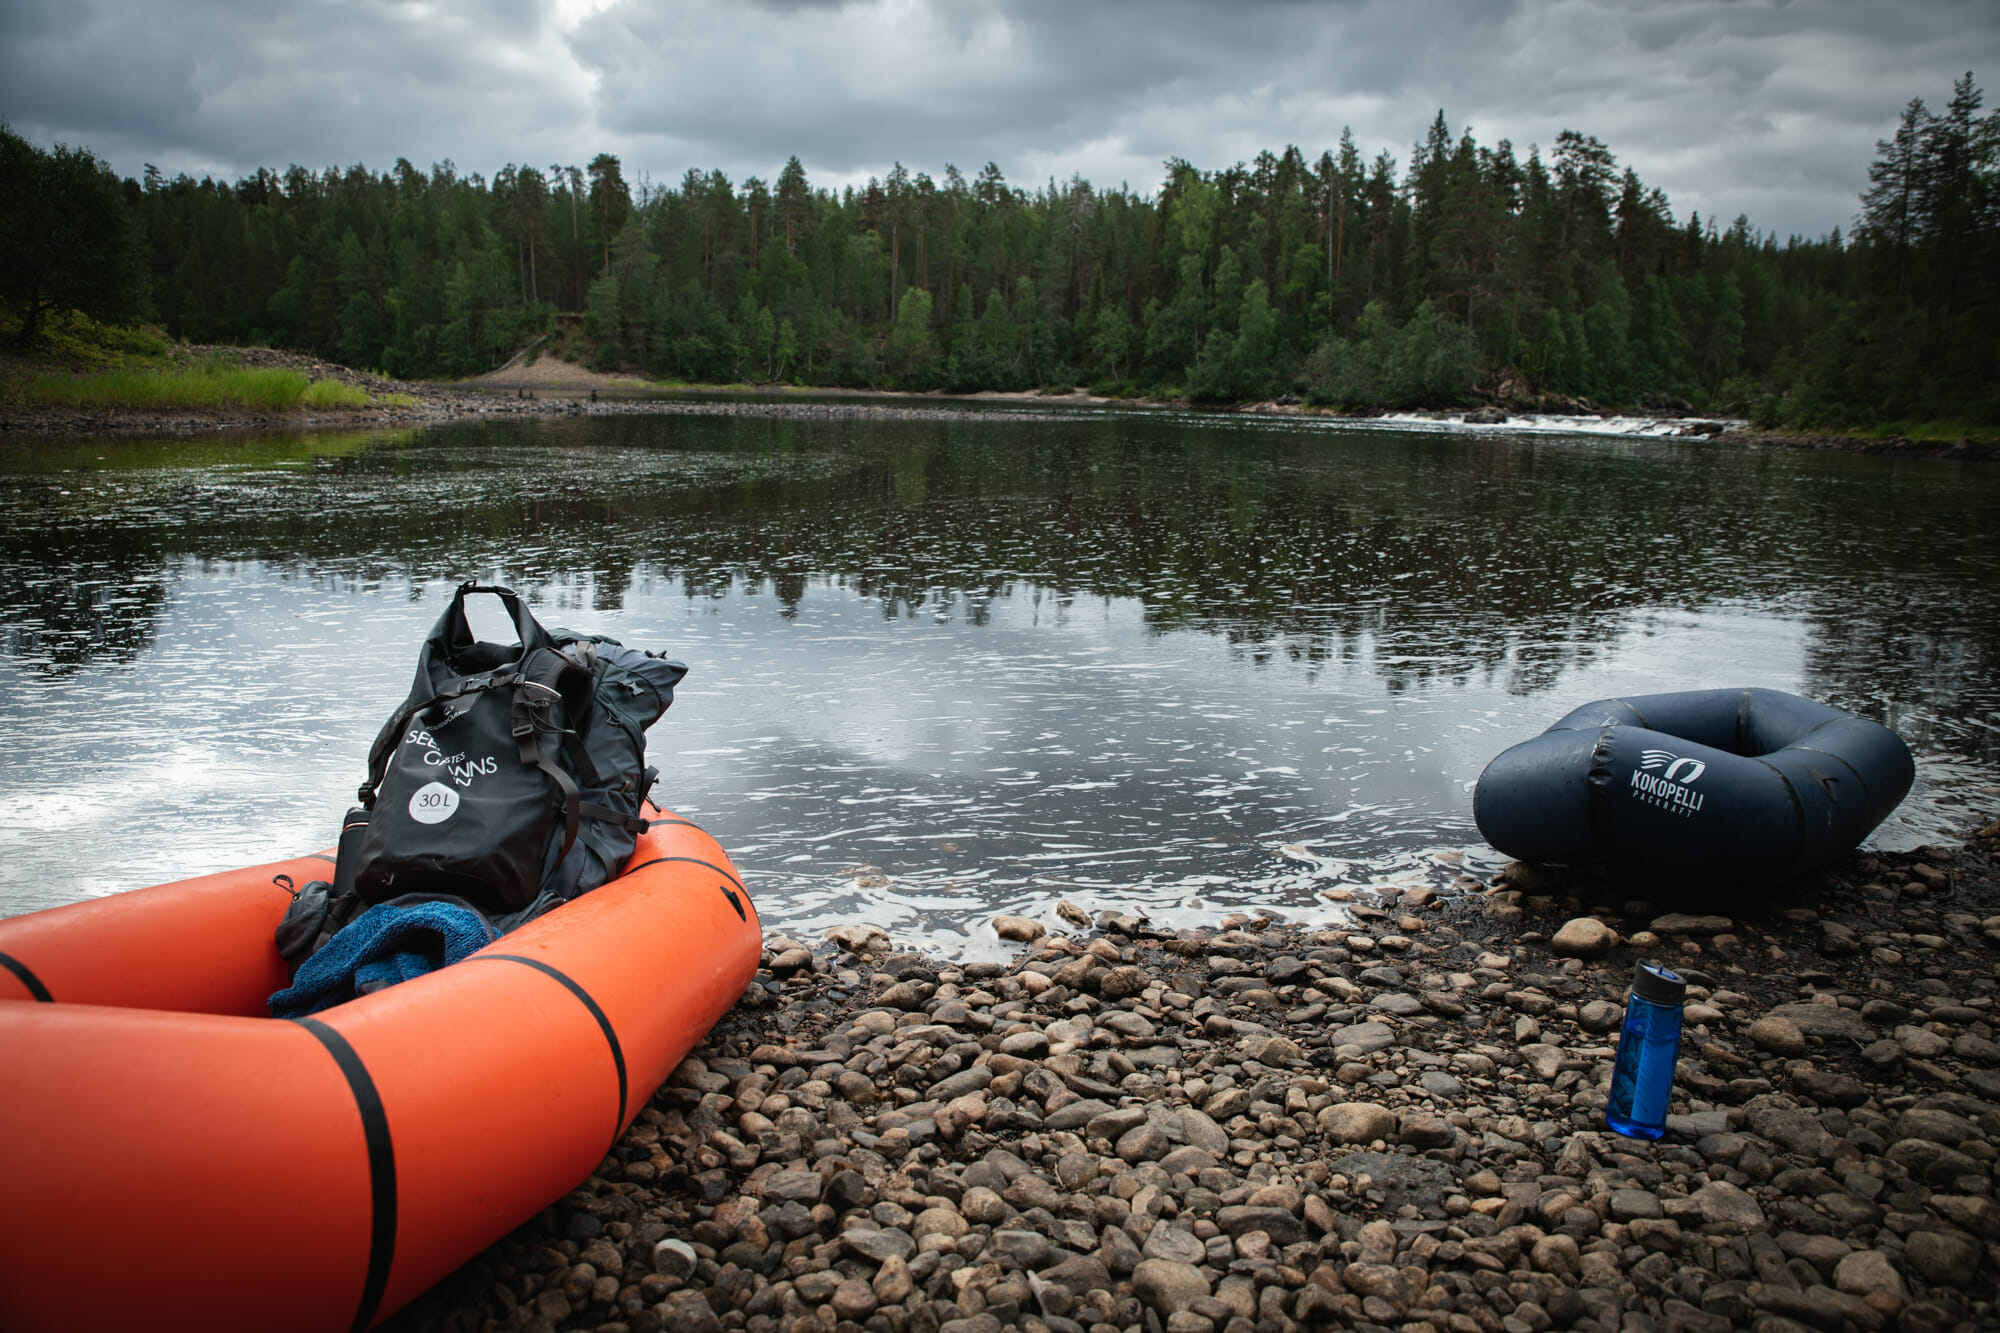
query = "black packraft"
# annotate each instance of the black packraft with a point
(512, 777)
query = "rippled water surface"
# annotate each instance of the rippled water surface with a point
(940, 668)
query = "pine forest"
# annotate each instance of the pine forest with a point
(1347, 279)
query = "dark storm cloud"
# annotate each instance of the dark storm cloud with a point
(1731, 106)
(225, 86)
(1764, 109)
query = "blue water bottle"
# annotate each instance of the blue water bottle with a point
(1643, 1078)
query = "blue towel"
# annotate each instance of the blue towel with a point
(386, 944)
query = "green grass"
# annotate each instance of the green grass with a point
(208, 387)
(332, 393)
(1935, 432)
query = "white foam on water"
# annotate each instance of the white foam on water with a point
(1686, 428)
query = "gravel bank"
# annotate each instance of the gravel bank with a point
(1257, 1129)
(516, 393)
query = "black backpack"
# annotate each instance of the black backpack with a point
(512, 777)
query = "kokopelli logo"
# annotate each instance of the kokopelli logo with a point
(1678, 769)
(1662, 779)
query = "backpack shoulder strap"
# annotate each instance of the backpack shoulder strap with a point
(549, 677)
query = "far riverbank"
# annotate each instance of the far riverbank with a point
(554, 388)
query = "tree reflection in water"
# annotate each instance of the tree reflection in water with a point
(1471, 585)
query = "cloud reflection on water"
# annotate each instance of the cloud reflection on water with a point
(1120, 660)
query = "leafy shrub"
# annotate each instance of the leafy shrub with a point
(1427, 362)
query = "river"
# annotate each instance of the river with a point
(1172, 663)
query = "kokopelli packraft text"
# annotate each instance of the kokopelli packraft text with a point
(514, 775)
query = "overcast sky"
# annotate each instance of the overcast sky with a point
(1731, 106)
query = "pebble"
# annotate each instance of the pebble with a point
(1584, 937)
(1825, 1020)
(1601, 1016)
(1168, 1285)
(1018, 928)
(1267, 1129)
(1946, 1258)
(1684, 923)
(1873, 1276)
(1725, 1209)
(673, 1257)
(1778, 1035)
(1356, 1122)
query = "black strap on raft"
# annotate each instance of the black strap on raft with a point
(26, 976)
(604, 814)
(631, 823)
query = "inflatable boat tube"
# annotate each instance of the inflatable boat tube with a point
(319, 1174)
(1746, 786)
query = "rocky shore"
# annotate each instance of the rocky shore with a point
(562, 391)
(1257, 1129)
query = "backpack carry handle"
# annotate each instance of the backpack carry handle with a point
(443, 673)
(458, 635)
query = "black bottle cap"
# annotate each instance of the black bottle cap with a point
(1650, 981)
